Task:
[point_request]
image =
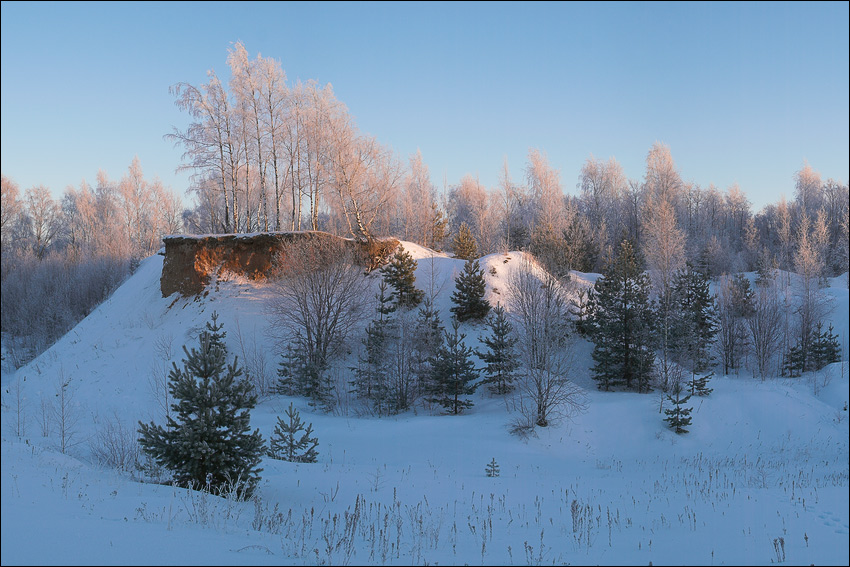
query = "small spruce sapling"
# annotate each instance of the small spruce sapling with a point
(678, 417)
(452, 373)
(492, 468)
(464, 245)
(500, 358)
(287, 445)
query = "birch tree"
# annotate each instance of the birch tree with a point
(538, 306)
(665, 255)
(544, 183)
(43, 215)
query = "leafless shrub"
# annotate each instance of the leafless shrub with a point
(158, 377)
(255, 360)
(319, 293)
(115, 445)
(539, 305)
(64, 412)
(765, 327)
(15, 400)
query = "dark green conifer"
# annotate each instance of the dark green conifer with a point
(428, 332)
(699, 316)
(217, 335)
(823, 349)
(826, 349)
(695, 327)
(287, 445)
(622, 324)
(500, 358)
(469, 293)
(400, 274)
(371, 375)
(209, 444)
(464, 245)
(291, 372)
(678, 417)
(452, 373)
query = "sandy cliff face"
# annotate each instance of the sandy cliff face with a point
(191, 261)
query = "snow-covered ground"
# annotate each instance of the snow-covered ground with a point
(762, 476)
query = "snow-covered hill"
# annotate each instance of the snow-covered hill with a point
(761, 477)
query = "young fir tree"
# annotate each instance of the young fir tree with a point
(621, 324)
(678, 416)
(826, 348)
(291, 375)
(400, 274)
(581, 309)
(319, 388)
(210, 442)
(500, 357)
(469, 293)
(464, 245)
(217, 335)
(823, 349)
(793, 362)
(371, 376)
(428, 334)
(287, 445)
(298, 376)
(452, 373)
(695, 330)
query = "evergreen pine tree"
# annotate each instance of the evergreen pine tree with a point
(428, 335)
(581, 310)
(828, 349)
(492, 468)
(621, 324)
(400, 274)
(291, 373)
(287, 445)
(298, 375)
(209, 443)
(500, 357)
(699, 384)
(384, 304)
(319, 387)
(464, 245)
(823, 349)
(678, 417)
(699, 310)
(792, 363)
(371, 375)
(469, 293)
(695, 329)
(214, 328)
(452, 373)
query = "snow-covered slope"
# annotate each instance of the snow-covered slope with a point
(761, 477)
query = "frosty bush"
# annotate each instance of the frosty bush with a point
(114, 445)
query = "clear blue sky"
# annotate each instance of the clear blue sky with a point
(741, 92)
